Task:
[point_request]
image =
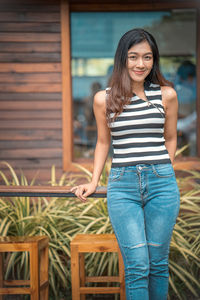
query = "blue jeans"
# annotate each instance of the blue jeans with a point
(143, 204)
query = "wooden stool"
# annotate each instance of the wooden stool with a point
(38, 285)
(85, 243)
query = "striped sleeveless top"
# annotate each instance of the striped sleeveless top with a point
(138, 132)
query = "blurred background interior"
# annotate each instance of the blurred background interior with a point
(94, 38)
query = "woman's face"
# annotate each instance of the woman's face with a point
(140, 61)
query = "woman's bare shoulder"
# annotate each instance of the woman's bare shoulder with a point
(100, 98)
(168, 93)
(169, 98)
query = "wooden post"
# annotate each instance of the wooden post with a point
(44, 273)
(198, 81)
(34, 272)
(121, 276)
(82, 272)
(67, 113)
(1, 273)
(75, 279)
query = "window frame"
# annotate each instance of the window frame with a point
(67, 102)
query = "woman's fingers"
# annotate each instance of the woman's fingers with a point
(79, 191)
(87, 193)
(82, 191)
(73, 189)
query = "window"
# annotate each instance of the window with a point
(94, 38)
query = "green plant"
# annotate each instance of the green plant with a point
(62, 218)
(185, 245)
(28, 216)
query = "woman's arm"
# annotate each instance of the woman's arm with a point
(170, 103)
(103, 136)
(101, 149)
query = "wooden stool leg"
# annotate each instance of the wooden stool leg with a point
(75, 273)
(82, 273)
(34, 272)
(121, 277)
(1, 273)
(44, 263)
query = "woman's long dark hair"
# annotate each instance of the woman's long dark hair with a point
(120, 82)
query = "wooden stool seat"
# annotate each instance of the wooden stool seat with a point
(38, 286)
(88, 243)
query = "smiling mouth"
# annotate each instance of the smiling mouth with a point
(139, 72)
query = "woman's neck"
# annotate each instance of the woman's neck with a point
(138, 90)
(138, 87)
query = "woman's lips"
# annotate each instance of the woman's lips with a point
(139, 72)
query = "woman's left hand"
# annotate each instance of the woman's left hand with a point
(84, 190)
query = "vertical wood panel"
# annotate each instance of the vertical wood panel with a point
(30, 86)
(198, 81)
(66, 86)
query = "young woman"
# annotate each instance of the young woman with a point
(139, 111)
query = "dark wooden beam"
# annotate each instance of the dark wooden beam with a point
(45, 191)
(131, 5)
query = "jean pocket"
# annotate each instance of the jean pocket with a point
(163, 170)
(116, 174)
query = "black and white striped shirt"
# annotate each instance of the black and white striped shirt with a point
(138, 132)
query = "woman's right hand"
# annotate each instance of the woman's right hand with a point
(84, 190)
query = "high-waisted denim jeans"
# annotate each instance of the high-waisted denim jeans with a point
(143, 204)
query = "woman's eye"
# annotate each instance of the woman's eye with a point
(132, 57)
(148, 57)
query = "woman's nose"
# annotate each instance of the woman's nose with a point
(140, 62)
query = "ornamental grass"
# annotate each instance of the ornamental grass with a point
(62, 218)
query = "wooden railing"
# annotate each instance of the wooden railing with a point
(45, 191)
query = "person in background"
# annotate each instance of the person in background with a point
(185, 86)
(139, 111)
(88, 103)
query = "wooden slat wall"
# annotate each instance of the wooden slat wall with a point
(30, 86)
